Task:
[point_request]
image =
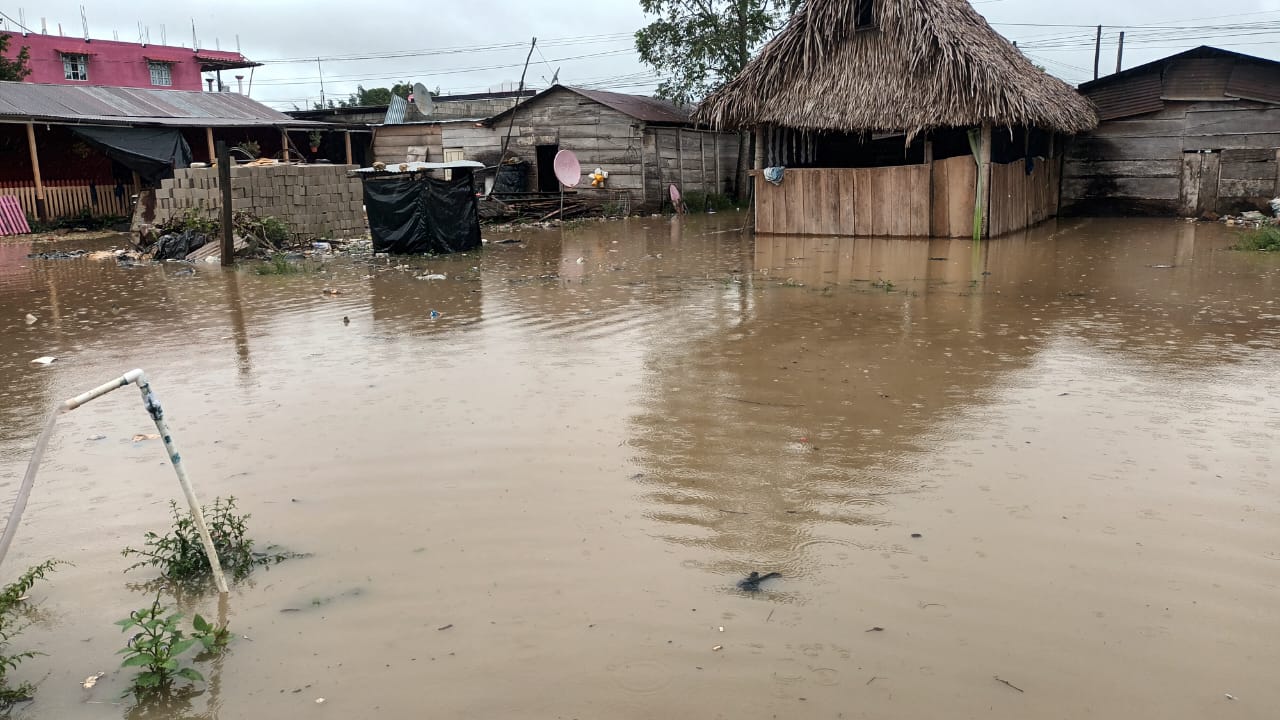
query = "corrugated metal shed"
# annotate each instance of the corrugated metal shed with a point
(95, 105)
(641, 107)
(1195, 79)
(1255, 81)
(1135, 95)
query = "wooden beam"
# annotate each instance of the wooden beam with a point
(984, 180)
(680, 158)
(42, 212)
(715, 142)
(208, 138)
(702, 155)
(284, 143)
(346, 142)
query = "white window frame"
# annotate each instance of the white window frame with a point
(164, 70)
(75, 67)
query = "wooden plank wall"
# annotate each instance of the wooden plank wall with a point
(884, 201)
(955, 189)
(69, 198)
(669, 152)
(392, 143)
(1020, 200)
(1135, 165)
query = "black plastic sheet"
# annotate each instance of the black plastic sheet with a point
(416, 214)
(153, 153)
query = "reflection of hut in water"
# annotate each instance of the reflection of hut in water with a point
(766, 430)
(893, 117)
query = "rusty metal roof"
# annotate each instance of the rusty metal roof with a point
(1202, 73)
(97, 105)
(640, 107)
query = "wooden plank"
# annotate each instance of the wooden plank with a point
(1171, 167)
(863, 209)
(41, 212)
(1249, 170)
(1195, 143)
(1232, 188)
(1249, 155)
(1234, 121)
(1146, 188)
(962, 178)
(1171, 127)
(939, 226)
(1210, 172)
(1189, 187)
(848, 201)
(831, 202)
(1150, 148)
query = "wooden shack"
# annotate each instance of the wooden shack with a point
(899, 118)
(645, 144)
(1190, 134)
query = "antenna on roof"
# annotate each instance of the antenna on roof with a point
(22, 20)
(142, 39)
(195, 41)
(163, 39)
(238, 44)
(148, 34)
(84, 20)
(44, 26)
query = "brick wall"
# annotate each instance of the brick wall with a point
(313, 200)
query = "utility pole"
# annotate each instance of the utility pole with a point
(1097, 52)
(321, 69)
(1120, 52)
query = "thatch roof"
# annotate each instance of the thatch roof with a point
(927, 64)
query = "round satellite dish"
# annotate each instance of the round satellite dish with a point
(568, 169)
(422, 99)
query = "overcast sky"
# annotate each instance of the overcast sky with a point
(474, 46)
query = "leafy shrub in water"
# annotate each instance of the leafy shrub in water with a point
(10, 625)
(158, 644)
(278, 264)
(180, 553)
(1264, 239)
(697, 201)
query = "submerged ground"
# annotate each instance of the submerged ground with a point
(570, 467)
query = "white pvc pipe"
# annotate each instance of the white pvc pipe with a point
(157, 415)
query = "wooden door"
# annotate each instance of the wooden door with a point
(1199, 192)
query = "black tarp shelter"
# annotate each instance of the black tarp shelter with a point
(153, 153)
(414, 213)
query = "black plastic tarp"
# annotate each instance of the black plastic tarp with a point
(419, 214)
(153, 153)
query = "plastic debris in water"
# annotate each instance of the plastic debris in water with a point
(433, 276)
(140, 437)
(31, 319)
(434, 314)
(92, 680)
(46, 360)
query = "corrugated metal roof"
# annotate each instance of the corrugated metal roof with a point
(97, 105)
(640, 107)
(1192, 79)
(1134, 95)
(1255, 81)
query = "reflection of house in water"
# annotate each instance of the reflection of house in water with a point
(766, 431)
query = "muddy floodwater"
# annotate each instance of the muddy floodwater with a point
(1037, 479)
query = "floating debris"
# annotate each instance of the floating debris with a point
(45, 360)
(92, 680)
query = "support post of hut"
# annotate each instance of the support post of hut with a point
(715, 143)
(346, 145)
(702, 155)
(284, 145)
(42, 212)
(208, 138)
(983, 227)
(680, 158)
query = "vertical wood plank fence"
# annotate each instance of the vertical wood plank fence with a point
(70, 198)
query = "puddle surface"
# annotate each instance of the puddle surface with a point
(570, 466)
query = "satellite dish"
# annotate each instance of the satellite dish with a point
(568, 169)
(422, 99)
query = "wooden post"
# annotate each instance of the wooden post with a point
(928, 152)
(208, 138)
(702, 155)
(284, 143)
(984, 181)
(1097, 52)
(715, 141)
(224, 188)
(42, 212)
(680, 158)
(1120, 53)
(346, 142)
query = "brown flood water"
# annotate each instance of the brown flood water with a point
(603, 430)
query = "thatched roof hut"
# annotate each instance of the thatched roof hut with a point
(909, 66)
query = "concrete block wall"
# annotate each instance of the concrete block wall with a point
(320, 201)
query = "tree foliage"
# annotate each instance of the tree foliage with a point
(698, 45)
(369, 97)
(16, 68)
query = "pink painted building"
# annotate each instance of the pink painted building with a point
(76, 61)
